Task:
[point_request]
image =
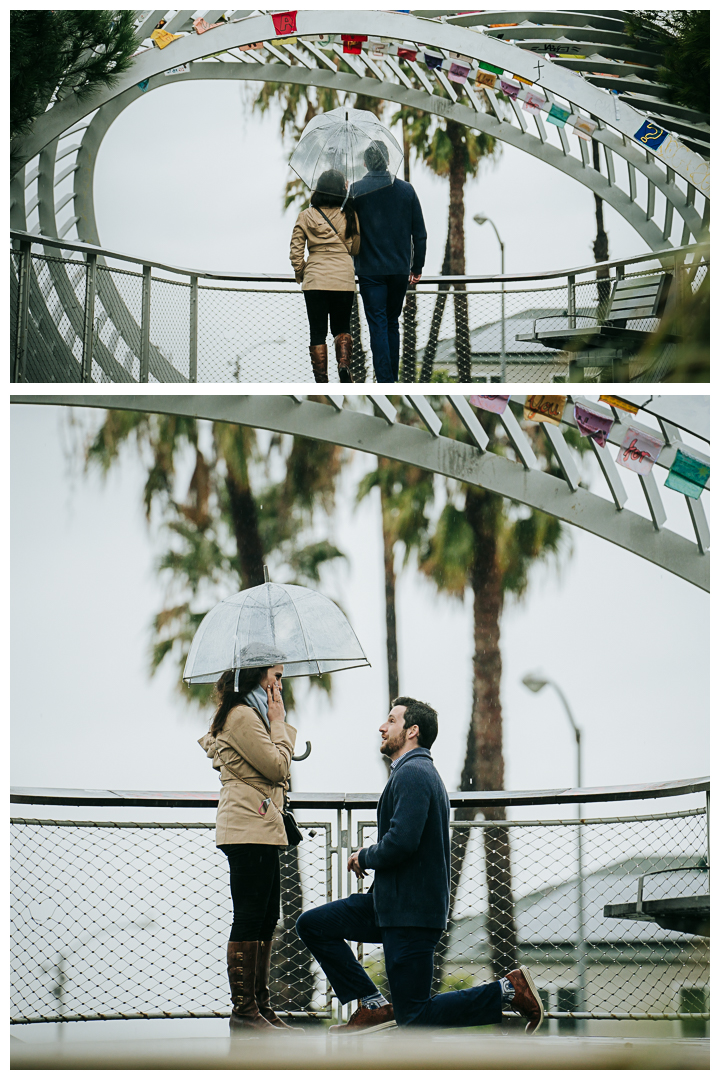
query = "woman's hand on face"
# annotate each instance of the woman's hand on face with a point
(276, 709)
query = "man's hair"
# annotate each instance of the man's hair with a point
(418, 712)
(377, 156)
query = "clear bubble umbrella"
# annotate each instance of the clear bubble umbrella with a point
(273, 624)
(351, 142)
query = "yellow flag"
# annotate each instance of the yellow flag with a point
(619, 403)
(545, 408)
(485, 78)
(163, 38)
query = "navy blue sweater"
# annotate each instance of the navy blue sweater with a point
(411, 859)
(392, 231)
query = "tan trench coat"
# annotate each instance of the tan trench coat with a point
(329, 265)
(264, 757)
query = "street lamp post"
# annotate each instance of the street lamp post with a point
(480, 219)
(535, 683)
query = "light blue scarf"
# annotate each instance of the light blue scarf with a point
(257, 698)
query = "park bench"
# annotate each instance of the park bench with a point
(609, 341)
(686, 914)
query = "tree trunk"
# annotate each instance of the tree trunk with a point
(390, 624)
(436, 321)
(409, 345)
(600, 244)
(456, 235)
(247, 534)
(484, 766)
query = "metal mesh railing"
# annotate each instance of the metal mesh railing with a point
(123, 919)
(254, 333)
(518, 899)
(126, 920)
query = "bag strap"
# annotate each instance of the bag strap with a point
(329, 223)
(250, 783)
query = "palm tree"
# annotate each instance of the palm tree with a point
(234, 518)
(451, 150)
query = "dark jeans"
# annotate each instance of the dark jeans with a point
(320, 304)
(383, 301)
(255, 890)
(408, 963)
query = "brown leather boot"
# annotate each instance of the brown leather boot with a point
(343, 355)
(319, 361)
(365, 1021)
(241, 965)
(262, 988)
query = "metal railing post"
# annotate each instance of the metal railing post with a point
(192, 374)
(24, 271)
(571, 301)
(145, 325)
(89, 320)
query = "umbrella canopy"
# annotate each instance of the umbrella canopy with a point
(273, 624)
(351, 142)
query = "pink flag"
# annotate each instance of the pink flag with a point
(511, 89)
(639, 451)
(200, 26)
(594, 425)
(496, 403)
(458, 72)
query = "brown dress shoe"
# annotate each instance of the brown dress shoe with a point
(527, 1000)
(242, 959)
(319, 361)
(343, 355)
(363, 1021)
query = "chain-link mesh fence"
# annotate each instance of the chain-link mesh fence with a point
(251, 333)
(535, 893)
(126, 920)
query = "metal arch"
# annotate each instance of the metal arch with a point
(65, 116)
(521, 480)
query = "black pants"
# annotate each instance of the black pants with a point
(255, 890)
(323, 302)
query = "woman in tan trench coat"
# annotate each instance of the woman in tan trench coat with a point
(330, 229)
(251, 746)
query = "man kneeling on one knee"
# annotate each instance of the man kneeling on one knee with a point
(406, 908)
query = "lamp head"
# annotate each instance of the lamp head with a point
(534, 682)
(479, 219)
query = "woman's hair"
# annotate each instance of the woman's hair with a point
(331, 191)
(226, 697)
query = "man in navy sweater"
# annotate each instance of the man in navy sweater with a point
(407, 905)
(392, 251)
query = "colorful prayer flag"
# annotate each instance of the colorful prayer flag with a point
(531, 102)
(527, 82)
(619, 403)
(583, 126)
(181, 70)
(163, 38)
(650, 134)
(639, 451)
(433, 62)
(255, 45)
(201, 27)
(485, 78)
(353, 37)
(407, 54)
(688, 475)
(491, 68)
(458, 72)
(545, 408)
(285, 23)
(144, 85)
(496, 403)
(510, 88)
(557, 115)
(594, 425)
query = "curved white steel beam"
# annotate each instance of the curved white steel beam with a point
(610, 110)
(381, 435)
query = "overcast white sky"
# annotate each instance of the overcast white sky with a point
(627, 641)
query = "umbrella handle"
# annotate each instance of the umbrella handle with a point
(308, 748)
